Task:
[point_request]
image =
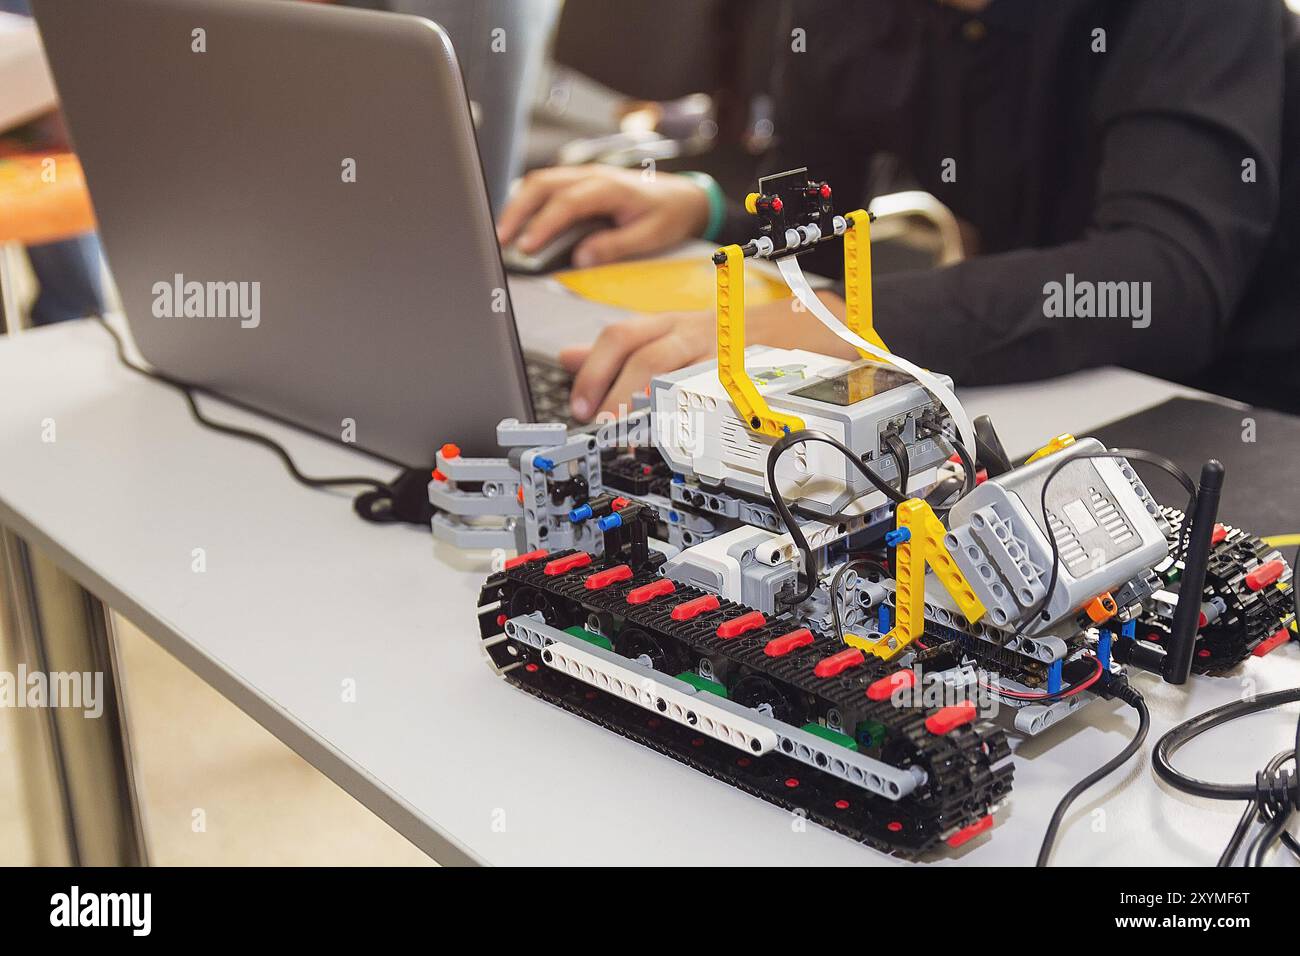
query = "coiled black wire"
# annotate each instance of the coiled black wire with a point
(1275, 794)
(1255, 809)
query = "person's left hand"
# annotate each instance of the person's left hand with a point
(627, 354)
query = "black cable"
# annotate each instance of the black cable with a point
(1256, 810)
(1295, 593)
(1135, 700)
(365, 504)
(1190, 729)
(1263, 841)
(1275, 794)
(898, 452)
(1239, 834)
(942, 492)
(968, 468)
(963, 453)
(1136, 454)
(779, 448)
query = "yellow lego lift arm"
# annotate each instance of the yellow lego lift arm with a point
(857, 280)
(749, 402)
(922, 545)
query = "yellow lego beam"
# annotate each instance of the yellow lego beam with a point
(923, 547)
(857, 280)
(750, 404)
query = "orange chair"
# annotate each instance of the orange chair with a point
(43, 198)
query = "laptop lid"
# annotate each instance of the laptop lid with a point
(292, 205)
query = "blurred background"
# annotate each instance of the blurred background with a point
(584, 81)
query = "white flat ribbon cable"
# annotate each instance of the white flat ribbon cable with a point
(798, 284)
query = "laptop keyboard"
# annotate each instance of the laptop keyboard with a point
(550, 385)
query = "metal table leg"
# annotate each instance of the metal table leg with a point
(10, 314)
(76, 768)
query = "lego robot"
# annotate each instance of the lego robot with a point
(801, 576)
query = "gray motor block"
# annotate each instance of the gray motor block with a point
(1104, 522)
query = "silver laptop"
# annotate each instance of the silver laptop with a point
(292, 205)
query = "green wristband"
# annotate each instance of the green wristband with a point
(717, 203)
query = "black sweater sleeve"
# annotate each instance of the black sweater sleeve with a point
(815, 124)
(1191, 90)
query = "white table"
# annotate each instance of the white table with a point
(299, 598)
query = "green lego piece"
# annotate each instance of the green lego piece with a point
(589, 637)
(699, 683)
(871, 733)
(834, 736)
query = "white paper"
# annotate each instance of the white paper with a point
(26, 89)
(798, 284)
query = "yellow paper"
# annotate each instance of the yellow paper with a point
(665, 285)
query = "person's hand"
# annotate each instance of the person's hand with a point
(649, 214)
(626, 355)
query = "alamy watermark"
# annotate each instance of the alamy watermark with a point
(133, 911)
(937, 689)
(1085, 299)
(75, 690)
(208, 300)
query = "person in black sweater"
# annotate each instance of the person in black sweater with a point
(1080, 142)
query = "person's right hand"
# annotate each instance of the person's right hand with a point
(649, 213)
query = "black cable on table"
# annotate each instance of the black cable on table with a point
(1135, 700)
(373, 505)
(1269, 814)
(1275, 794)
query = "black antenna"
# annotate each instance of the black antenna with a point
(1182, 644)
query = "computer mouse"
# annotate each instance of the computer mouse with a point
(556, 254)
